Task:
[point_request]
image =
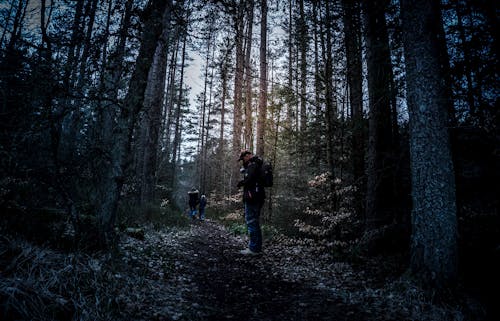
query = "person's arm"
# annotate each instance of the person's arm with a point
(251, 177)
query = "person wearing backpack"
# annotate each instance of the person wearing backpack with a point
(253, 199)
(193, 201)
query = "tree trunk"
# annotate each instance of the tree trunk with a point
(352, 34)
(317, 84)
(17, 25)
(168, 110)
(434, 222)
(91, 14)
(153, 104)
(290, 94)
(222, 171)
(70, 114)
(330, 107)
(178, 112)
(6, 25)
(237, 123)
(111, 84)
(248, 132)
(380, 165)
(112, 175)
(261, 122)
(302, 32)
(208, 112)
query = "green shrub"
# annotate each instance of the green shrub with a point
(238, 228)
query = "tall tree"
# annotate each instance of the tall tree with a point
(303, 44)
(7, 19)
(112, 172)
(168, 109)
(90, 14)
(380, 160)
(352, 36)
(317, 81)
(434, 222)
(238, 80)
(290, 58)
(69, 127)
(17, 25)
(153, 111)
(178, 111)
(110, 84)
(11, 65)
(330, 106)
(261, 123)
(207, 107)
(248, 131)
(46, 70)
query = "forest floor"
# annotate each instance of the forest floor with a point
(200, 275)
(197, 273)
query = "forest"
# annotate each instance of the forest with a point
(380, 119)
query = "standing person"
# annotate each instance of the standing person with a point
(193, 201)
(201, 207)
(253, 198)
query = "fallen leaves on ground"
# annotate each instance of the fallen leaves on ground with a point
(198, 274)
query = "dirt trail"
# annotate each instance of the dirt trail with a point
(198, 274)
(231, 286)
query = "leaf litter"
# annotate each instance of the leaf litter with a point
(197, 273)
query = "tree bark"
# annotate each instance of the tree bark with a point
(238, 78)
(261, 122)
(330, 107)
(178, 112)
(248, 131)
(153, 104)
(112, 175)
(302, 32)
(434, 222)
(352, 36)
(108, 106)
(380, 163)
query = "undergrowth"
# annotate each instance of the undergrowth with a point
(158, 214)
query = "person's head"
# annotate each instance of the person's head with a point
(203, 196)
(245, 156)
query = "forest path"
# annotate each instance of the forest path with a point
(200, 275)
(231, 286)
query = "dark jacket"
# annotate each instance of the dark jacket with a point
(203, 202)
(193, 198)
(252, 191)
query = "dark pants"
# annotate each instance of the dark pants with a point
(192, 209)
(252, 215)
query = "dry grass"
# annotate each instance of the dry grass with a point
(42, 284)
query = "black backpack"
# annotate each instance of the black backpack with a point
(266, 174)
